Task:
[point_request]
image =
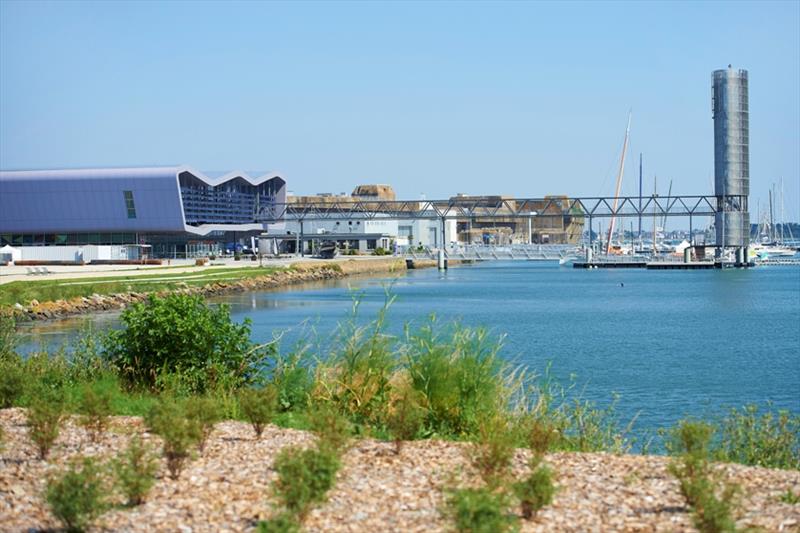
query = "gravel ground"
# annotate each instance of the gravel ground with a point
(227, 488)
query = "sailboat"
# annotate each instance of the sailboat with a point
(770, 244)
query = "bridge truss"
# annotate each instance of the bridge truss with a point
(589, 207)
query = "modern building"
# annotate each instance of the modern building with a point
(731, 114)
(171, 211)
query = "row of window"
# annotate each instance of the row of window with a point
(73, 239)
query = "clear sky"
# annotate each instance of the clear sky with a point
(517, 98)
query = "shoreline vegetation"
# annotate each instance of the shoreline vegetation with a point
(52, 299)
(179, 420)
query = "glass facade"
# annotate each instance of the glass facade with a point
(233, 202)
(66, 239)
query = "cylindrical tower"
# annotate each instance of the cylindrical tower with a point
(730, 110)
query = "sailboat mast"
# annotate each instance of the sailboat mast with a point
(771, 219)
(640, 198)
(619, 184)
(655, 229)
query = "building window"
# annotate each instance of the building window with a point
(129, 205)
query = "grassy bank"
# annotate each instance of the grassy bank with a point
(24, 292)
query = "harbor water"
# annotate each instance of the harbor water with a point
(670, 344)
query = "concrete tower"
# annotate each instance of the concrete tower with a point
(730, 110)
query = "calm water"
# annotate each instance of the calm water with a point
(670, 343)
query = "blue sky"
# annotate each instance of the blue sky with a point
(522, 99)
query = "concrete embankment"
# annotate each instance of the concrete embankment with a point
(301, 272)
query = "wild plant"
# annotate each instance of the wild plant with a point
(493, 452)
(181, 333)
(169, 420)
(790, 497)
(76, 497)
(44, 417)
(461, 377)
(258, 406)
(135, 471)
(292, 379)
(304, 478)
(767, 439)
(282, 523)
(710, 513)
(206, 412)
(479, 510)
(406, 416)
(536, 490)
(12, 381)
(355, 375)
(332, 429)
(95, 407)
(8, 335)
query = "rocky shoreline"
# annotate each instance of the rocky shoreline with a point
(296, 274)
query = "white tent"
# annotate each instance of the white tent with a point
(8, 253)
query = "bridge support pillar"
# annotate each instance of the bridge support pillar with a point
(442, 263)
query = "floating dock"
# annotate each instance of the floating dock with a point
(657, 265)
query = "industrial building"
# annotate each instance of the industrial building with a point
(171, 211)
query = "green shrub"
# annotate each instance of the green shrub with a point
(790, 497)
(710, 513)
(355, 375)
(181, 334)
(769, 439)
(44, 415)
(169, 419)
(304, 478)
(282, 523)
(95, 407)
(135, 471)
(76, 497)
(479, 510)
(258, 407)
(460, 376)
(8, 335)
(536, 490)
(380, 251)
(292, 380)
(540, 435)
(332, 429)
(12, 381)
(205, 411)
(494, 451)
(406, 417)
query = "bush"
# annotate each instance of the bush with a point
(12, 381)
(76, 497)
(95, 407)
(181, 334)
(460, 376)
(710, 513)
(135, 471)
(355, 376)
(44, 420)
(536, 490)
(205, 412)
(258, 407)
(304, 478)
(282, 523)
(292, 381)
(380, 251)
(479, 511)
(169, 419)
(406, 418)
(770, 439)
(493, 452)
(8, 335)
(332, 429)
(540, 435)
